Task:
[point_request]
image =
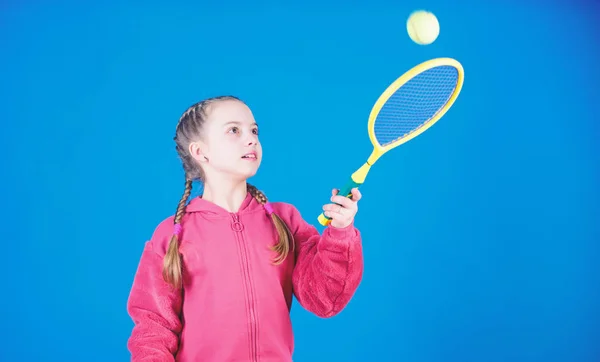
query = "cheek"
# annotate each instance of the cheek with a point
(223, 152)
(219, 146)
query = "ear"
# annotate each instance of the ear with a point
(197, 150)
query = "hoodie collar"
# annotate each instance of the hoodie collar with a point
(198, 204)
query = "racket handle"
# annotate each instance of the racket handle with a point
(346, 191)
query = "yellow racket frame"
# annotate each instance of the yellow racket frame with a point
(359, 176)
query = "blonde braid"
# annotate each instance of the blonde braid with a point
(282, 248)
(172, 269)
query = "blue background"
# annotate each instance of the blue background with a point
(480, 236)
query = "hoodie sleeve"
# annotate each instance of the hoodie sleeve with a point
(154, 306)
(329, 267)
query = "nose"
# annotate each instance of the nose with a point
(251, 139)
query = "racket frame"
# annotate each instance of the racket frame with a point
(358, 177)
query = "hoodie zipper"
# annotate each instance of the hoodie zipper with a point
(237, 227)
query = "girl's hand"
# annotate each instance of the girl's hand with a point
(343, 209)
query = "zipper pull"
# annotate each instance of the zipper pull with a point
(236, 225)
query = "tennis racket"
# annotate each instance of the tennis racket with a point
(407, 108)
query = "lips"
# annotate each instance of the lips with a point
(250, 156)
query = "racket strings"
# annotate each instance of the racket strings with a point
(415, 103)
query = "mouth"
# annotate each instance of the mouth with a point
(250, 156)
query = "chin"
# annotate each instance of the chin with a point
(249, 176)
(245, 174)
(244, 170)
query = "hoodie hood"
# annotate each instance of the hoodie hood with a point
(208, 208)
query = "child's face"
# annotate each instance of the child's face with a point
(230, 142)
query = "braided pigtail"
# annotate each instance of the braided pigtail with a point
(188, 129)
(172, 269)
(285, 238)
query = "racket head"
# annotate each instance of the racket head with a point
(413, 103)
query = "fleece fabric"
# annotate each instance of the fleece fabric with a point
(235, 303)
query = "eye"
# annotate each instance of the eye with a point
(255, 131)
(234, 130)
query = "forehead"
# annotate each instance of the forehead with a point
(227, 111)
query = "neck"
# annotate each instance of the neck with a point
(227, 194)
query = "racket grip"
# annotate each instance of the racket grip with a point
(346, 191)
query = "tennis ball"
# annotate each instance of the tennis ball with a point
(423, 27)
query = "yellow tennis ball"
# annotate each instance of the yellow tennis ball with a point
(423, 27)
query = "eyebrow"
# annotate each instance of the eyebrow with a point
(236, 122)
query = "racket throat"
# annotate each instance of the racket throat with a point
(360, 175)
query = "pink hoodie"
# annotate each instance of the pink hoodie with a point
(235, 304)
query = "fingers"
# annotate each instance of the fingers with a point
(349, 203)
(342, 209)
(339, 203)
(333, 208)
(356, 195)
(337, 212)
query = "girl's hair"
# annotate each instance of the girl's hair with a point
(189, 129)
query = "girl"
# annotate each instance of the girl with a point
(215, 282)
